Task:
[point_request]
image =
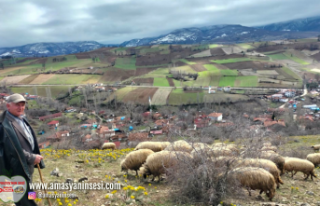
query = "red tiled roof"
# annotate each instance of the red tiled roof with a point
(156, 132)
(270, 123)
(53, 122)
(161, 122)
(215, 115)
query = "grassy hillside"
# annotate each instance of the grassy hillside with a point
(104, 165)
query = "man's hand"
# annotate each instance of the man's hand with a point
(38, 159)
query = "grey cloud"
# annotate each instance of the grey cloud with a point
(115, 21)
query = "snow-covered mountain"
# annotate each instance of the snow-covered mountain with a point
(216, 33)
(306, 24)
(50, 49)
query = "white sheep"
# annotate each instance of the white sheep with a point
(154, 146)
(316, 147)
(299, 165)
(157, 163)
(314, 158)
(109, 145)
(134, 160)
(256, 179)
(179, 145)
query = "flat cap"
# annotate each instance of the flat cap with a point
(15, 98)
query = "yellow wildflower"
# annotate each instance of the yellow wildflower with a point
(132, 197)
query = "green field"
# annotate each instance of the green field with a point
(227, 81)
(119, 50)
(229, 72)
(290, 72)
(207, 78)
(200, 47)
(73, 79)
(126, 63)
(211, 46)
(147, 50)
(178, 97)
(298, 60)
(212, 68)
(121, 93)
(54, 66)
(279, 56)
(185, 69)
(161, 82)
(232, 60)
(187, 62)
(246, 46)
(282, 56)
(55, 90)
(246, 81)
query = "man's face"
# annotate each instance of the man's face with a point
(16, 109)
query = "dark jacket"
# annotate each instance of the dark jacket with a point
(15, 153)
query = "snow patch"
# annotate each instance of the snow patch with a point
(6, 54)
(245, 32)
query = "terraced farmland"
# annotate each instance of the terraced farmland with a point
(178, 97)
(162, 82)
(161, 96)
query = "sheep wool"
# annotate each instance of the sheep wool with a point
(109, 145)
(316, 147)
(299, 165)
(179, 145)
(314, 158)
(154, 146)
(265, 164)
(157, 163)
(223, 146)
(135, 159)
(277, 159)
(256, 179)
(267, 148)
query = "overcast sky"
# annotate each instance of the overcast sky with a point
(115, 21)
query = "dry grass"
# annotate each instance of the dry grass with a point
(42, 78)
(14, 79)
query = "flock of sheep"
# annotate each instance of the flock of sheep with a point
(262, 173)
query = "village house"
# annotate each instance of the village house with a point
(283, 100)
(30, 97)
(70, 109)
(289, 93)
(227, 89)
(51, 116)
(105, 132)
(100, 88)
(215, 117)
(201, 121)
(57, 136)
(53, 124)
